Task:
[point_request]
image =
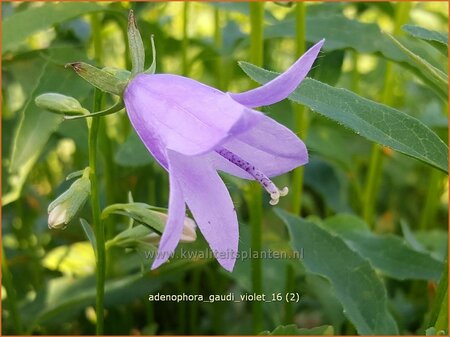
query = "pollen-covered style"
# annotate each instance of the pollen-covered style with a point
(194, 130)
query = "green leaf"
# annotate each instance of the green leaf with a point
(133, 153)
(376, 122)
(89, 233)
(353, 34)
(140, 212)
(355, 282)
(388, 253)
(274, 281)
(37, 125)
(436, 39)
(17, 27)
(323, 178)
(293, 330)
(439, 78)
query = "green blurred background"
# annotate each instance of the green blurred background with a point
(52, 271)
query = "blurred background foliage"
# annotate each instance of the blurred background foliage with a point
(401, 249)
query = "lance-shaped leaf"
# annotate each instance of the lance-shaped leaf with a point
(140, 212)
(434, 74)
(355, 282)
(436, 39)
(376, 122)
(388, 253)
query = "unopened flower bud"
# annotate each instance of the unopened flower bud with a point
(60, 104)
(188, 234)
(64, 208)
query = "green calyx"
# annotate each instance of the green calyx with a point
(99, 78)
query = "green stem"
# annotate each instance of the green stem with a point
(301, 122)
(372, 182)
(439, 313)
(301, 119)
(184, 46)
(355, 73)
(11, 299)
(96, 221)
(289, 287)
(376, 161)
(193, 310)
(97, 37)
(218, 45)
(255, 197)
(110, 184)
(432, 200)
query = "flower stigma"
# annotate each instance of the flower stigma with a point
(269, 186)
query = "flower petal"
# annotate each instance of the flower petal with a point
(174, 226)
(181, 114)
(283, 85)
(269, 146)
(210, 203)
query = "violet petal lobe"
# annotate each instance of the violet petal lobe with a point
(269, 146)
(174, 226)
(184, 115)
(210, 203)
(283, 85)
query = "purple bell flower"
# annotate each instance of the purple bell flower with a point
(194, 130)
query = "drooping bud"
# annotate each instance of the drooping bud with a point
(62, 210)
(188, 234)
(151, 226)
(136, 46)
(60, 104)
(139, 234)
(99, 78)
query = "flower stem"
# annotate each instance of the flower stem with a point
(301, 121)
(429, 210)
(11, 299)
(218, 45)
(300, 112)
(376, 160)
(96, 221)
(439, 313)
(255, 197)
(184, 46)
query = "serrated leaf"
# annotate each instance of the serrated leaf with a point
(376, 122)
(17, 27)
(293, 330)
(388, 253)
(355, 282)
